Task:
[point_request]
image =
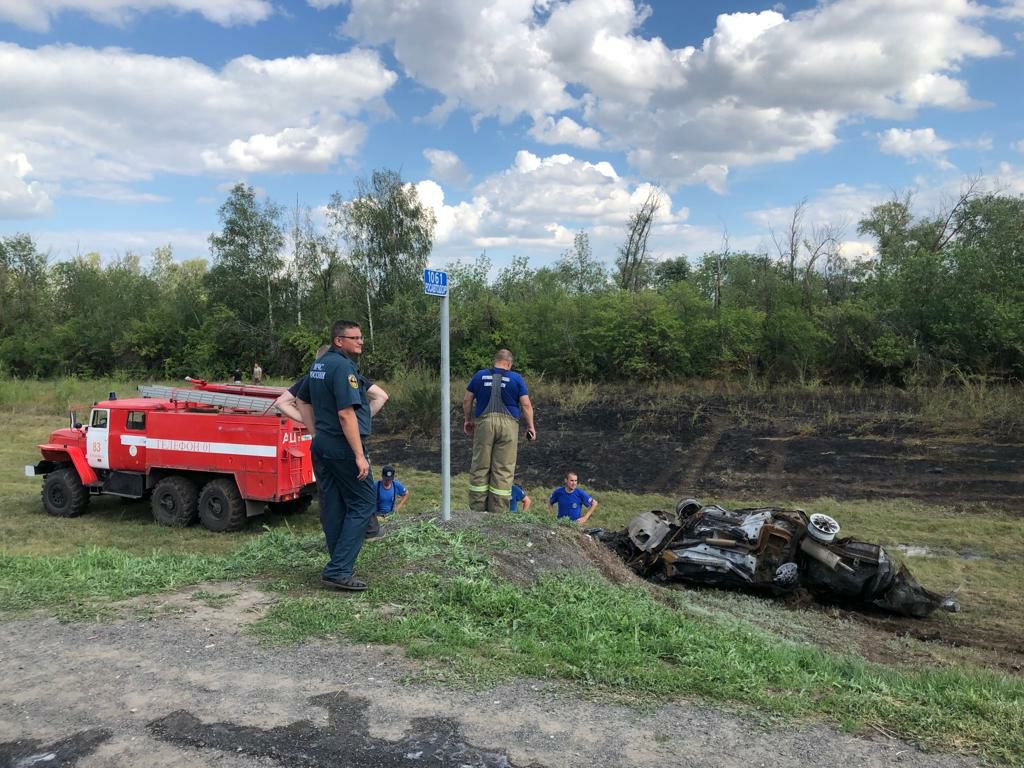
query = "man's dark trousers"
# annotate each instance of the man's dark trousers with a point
(345, 508)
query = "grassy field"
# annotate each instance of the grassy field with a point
(436, 592)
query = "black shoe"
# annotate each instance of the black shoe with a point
(375, 537)
(351, 584)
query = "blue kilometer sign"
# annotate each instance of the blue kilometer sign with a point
(435, 282)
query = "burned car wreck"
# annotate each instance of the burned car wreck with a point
(768, 550)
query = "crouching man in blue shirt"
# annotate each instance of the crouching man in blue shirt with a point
(519, 496)
(571, 501)
(389, 490)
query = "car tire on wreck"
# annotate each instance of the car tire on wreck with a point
(687, 507)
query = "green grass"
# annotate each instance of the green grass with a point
(468, 627)
(435, 594)
(78, 584)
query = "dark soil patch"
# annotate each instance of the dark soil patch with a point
(344, 741)
(58, 754)
(843, 445)
(994, 646)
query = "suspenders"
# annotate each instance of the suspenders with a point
(496, 404)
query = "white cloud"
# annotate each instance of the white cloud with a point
(483, 54)
(858, 250)
(565, 130)
(38, 14)
(1009, 179)
(185, 243)
(1018, 145)
(115, 193)
(454, 223)
(539, 203)
(445, 166)
(118, 117)
(939, 91)
(839, 207)
(19, 198)
(762, 88)
(1010, 9)
(915, 143)
(289, 150)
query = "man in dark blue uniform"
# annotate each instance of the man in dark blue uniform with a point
(341, 412)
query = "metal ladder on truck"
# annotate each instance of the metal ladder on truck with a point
(259, 405)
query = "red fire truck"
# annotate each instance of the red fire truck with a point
(216, 452)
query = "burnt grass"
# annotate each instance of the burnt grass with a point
(756, 446)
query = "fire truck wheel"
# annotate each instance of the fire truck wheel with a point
(174, 502)
(221, 507)
(63, 494)
(293, 507)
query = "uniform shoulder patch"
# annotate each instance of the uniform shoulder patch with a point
(353, 381)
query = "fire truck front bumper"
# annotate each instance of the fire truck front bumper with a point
(44, 467)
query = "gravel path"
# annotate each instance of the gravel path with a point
(189, 688)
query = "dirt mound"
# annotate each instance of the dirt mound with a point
(519, 549)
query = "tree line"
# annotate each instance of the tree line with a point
(941, 292)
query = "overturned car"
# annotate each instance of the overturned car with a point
(768, 550)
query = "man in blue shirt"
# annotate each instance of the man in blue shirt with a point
(501, 397)
(572, 501)
(518, 494)
(389, 490)
(341, 414)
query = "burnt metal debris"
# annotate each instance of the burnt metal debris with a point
(768, 550)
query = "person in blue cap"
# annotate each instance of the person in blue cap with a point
(391, 497)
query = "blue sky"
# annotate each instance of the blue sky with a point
(123, 123)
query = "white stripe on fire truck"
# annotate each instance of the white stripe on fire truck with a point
(200, 446)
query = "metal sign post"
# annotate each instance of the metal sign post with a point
(435, 283)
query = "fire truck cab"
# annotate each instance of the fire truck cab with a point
(196, 460)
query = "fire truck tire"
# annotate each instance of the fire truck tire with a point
(63, 494)
(293, 507)
(221, 507)
(174, 502)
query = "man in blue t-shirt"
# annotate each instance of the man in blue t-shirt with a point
(572, 501)
(389, 491)
(501, 398)
(518, 494)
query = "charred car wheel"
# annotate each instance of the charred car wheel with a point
(221, 507)
(174, 502)
(63, 494)
(687, 507)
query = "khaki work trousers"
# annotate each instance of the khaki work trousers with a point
(495, 441)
